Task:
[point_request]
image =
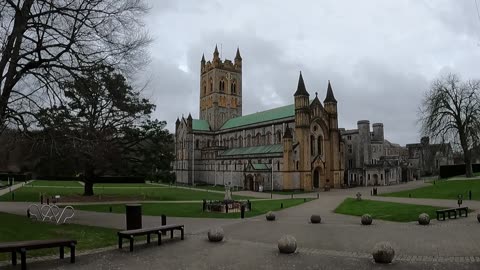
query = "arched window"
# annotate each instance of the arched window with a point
(278, 138)
(211, 85)
(297, 165)
(319, 145)
(312, 145)
(240, 141)
(268, 138)
(231, 142)
(204, 88)
(197, 143)
(249, 140)
(258, 139)
(233, 87)
(221, 85)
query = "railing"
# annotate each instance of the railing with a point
(50, 213)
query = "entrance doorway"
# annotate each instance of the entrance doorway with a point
(375, 179)
(249, 183)
(316, 178)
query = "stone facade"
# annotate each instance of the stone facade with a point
(427, 158)
(370, 159)
(291, 147)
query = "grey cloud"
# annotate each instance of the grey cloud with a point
(380, 56)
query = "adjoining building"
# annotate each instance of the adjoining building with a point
(427, 158)
(290, 147)
(369, 158)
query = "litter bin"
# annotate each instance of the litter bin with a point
(134, 216)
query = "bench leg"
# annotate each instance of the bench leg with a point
(131, 243)
(23, 258)
(72, 253)
(148, 238)
(62, 252)
(120, 242)
(171, 234)
(182, 231)
(14, 257)
(159, 235)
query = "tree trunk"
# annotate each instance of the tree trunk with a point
(88, 188)
(89, 180)
(468, 164)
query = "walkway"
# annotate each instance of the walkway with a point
(339, 242)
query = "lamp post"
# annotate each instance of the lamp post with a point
(271, 183)
(193, 160)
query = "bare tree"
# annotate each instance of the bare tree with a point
(46, 42)
(450, 111)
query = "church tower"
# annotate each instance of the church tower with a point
(220, 89)
(302, 132)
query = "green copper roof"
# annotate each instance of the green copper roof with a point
(264, 149)
(260, 166)
(201, 125)
(259, 117)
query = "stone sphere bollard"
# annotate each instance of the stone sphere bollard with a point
(478, 217)
(366, 219)
(270, 216)
(287, 244)
(215, 234)
(423, 219)
(383, 252)
(315, 219)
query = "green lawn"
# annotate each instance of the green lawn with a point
(55, 183)
(448, 189)
(399, 212)
(195, 209)
(144, 192)
(19, 228)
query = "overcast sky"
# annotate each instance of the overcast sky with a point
(380, 56)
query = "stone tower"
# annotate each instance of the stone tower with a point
(220, 89)
(334, 163)
(302, 132)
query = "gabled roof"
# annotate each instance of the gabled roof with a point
(255, 150)
(259, 117)
(200, 125)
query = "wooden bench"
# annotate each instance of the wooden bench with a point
(449, 211)
(464, 210)
(22, 247)
(452, 212)
(130, 234)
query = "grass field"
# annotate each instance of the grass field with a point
(399, 212)
(19, 228)
(55, 183)
(195, 209)
(118, 191)
(445, 189)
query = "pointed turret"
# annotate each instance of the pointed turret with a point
(301, 90)
(215, 53)
(203, 59)
(177, 123)
(189, 122)
(237, 56)
(330, 97)
(287, 134)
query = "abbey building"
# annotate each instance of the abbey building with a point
(297, 146)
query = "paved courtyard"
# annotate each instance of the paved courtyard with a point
(340, 242)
